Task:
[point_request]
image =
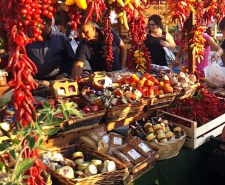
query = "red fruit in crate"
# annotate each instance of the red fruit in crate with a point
(147, 75)
(166, 81)
(86, 109)
(167, 88)
(94, 108)
(149, 83)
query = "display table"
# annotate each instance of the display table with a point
(188, 168)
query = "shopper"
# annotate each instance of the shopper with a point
(209, 31)
(156, 39)
(222, 29)
(209, 44)
(93, 49)
(54, 55)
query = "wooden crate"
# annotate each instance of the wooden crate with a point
(196, 136)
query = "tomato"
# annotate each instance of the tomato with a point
(45, 12)
(38, 11)
(39, 38)
(28, 17)
(35, 16)
(23, 11)
(28, 1)
(50, 15)
(50, 8)
(25, 22)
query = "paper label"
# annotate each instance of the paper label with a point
(144, 147)
(117, 141)
(106, 139)
(134, 154)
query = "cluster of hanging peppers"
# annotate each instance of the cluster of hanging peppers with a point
(21, 20)
(108, 41)
(197, 43)
(180, 10)
(138, 58)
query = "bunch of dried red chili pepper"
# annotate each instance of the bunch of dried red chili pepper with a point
(108, 41)
(140, 63)
(202, 107)
(22, 22)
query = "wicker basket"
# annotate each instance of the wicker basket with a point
(107, 178)
(123, 111)
(169, 149)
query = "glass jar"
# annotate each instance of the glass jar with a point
(3, 79)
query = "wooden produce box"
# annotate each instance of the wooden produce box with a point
(196, 136)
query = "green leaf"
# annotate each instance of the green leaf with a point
(4, 146)
(63, 106)
(49, 117)
(66, 114)
(46, 105)
(1, 165)
(20, 127)
(38, 128)
(31, 142)
(12, 153)
(39, 142)
(16, 141)
(41, 117)
(76, 113)
(23, 165)
(52, 131)
(55, 122)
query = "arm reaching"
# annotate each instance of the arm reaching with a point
(77, 70)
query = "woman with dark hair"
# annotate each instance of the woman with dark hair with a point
(156, 39)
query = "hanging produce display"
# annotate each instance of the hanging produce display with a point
(203, 13)
(21, 23)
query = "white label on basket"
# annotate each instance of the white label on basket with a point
(144, 147)
(117, 141)
(134, 154)
(106, 139)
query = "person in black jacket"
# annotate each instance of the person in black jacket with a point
(93, 49)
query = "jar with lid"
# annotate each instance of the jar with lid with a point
(3, 80)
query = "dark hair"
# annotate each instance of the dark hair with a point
(157, 20)
(61, 18)
(222, 24)
(46, 19)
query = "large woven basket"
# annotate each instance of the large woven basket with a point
(169, 149)
(123, 111)
(108, 178)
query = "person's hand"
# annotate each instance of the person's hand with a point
(164, 43)
(176, 62)
(215, 57)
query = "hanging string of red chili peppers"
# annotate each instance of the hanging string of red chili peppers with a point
(138, 58)
(108, 41)
(22, 22)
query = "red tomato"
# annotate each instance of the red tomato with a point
(23, 11)
(35, 16)
(38, 11)
(28, 1)
(28, 17)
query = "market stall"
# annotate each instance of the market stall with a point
(64, 131)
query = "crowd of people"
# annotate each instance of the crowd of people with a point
(67, 53)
